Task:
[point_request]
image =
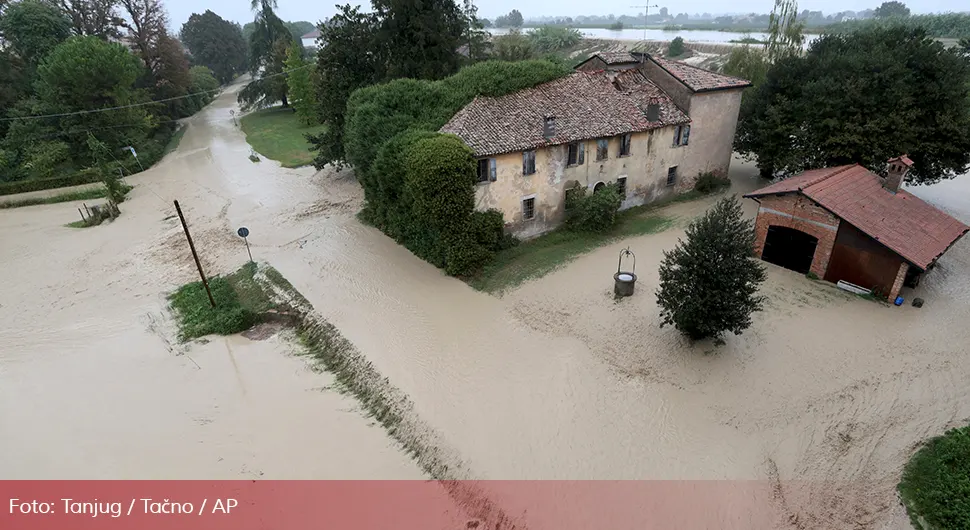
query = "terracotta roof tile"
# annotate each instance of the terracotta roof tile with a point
(616, 57)
(585, 106)
(698, 79)
(905, 224)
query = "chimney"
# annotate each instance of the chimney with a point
(549, 127)
(896, 172)
(653, 110)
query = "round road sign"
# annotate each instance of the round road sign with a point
(243, 231)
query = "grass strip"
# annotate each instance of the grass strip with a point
(935, 487)
(278, 134)
(537, 257)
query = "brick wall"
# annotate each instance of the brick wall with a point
(798, 212)
(898, 284)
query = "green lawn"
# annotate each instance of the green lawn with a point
(277, 133)
(239, 302)
(540, 256)
(935, 487)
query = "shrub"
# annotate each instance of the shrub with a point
(709, 283)
(676, 48)
(935, 487)
(594, 212)
(710, 183)
(418, 184)
(554, 38)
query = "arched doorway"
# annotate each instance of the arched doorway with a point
(789, 248)
(599, 186)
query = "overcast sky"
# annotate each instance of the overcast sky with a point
(314, 11)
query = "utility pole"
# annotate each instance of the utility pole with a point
(198, 263)
(646, 10)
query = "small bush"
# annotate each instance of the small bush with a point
(676, 48)
(710, 183)
(594, 212)
(487, 228)
(464, 255)
(935, 487)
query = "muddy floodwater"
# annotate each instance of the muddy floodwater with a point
(818, 404)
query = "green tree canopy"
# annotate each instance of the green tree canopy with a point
(708, 282)
(84, 74)
(267, 58)
(513, 46)
(33, 28)
(217, 44)
(862, 97)
(676, 48)
(421, 37)
(299, 85)
(511, 20)
(891, 9)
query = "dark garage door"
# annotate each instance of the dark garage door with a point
(789, 248)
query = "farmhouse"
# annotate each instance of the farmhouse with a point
(650, 126)
(849, 224)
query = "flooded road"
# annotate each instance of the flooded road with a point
(819, 403)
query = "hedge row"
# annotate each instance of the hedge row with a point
(419, 184)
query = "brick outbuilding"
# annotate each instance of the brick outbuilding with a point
(849, 224)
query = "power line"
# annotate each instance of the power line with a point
(80, 112)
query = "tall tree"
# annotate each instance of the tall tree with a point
(166, 67)
(81, 74)
(421, 37)
(784, 31)
(267, 58)
(891, 9)
(217, 44)
(92, 17)
(709, 283)
(475, 40)
(146, 24)
(350, 58)
(32, 29)
(908, 94)
(300, 89)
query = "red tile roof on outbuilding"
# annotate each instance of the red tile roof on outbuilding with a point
(904, 223)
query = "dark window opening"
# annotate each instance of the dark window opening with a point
(529, 208)
(625, 144)
(576, 154)
(681, 135)
(789, 248)
(602, 149)
(621, 187)
(483, 170)
(549, 127)
(599, 186)
(528, 162)
(486, 170)
(672, 176)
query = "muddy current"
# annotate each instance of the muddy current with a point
(818, 404)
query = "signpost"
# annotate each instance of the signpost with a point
(134, 154)
(244, 233)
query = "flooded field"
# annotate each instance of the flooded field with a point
(819, 403)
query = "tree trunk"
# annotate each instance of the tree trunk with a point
(286, 104)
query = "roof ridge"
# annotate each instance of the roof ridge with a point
(823, 178)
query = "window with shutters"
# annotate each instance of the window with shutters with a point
(576, 154)
(681, 135)
(528, 162)
(625, 141)
(672, 175)
(602, 149)
(528, 208)
(621, 187)
(486, 170)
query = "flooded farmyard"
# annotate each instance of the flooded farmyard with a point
(821, 401)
